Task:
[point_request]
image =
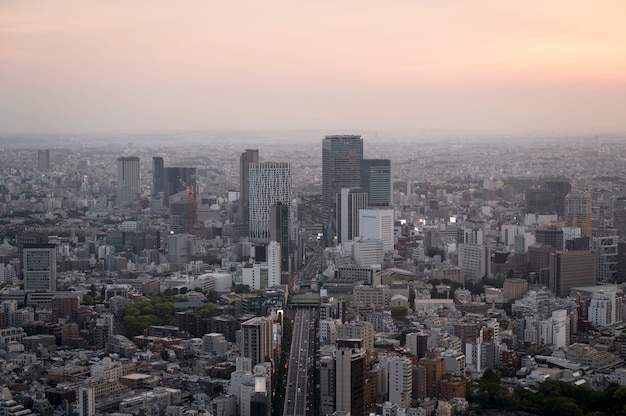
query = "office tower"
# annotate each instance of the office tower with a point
(604, 243)
(475, 260)
(349, 203)
(578, 212)
(127, 179)
(550, 236)
(40, 267)
(559, 189)
(249, 157)
(417, 343)
(86, 401)
(400, 381)
(43, 160)
(378, 224)
(568, 269)
(341, 168)
(270, 183)
(376, 179)
(350, 377)
(158, 173)
(178, 179)
(256, 340)
(279, 232)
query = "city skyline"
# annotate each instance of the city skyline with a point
(115, 66)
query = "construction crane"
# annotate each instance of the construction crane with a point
(191, 203)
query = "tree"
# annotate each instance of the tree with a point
(399, 312)
(88, 299)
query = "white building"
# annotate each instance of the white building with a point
(474, 260)
(378, 224)
(270, 182)
(605, 309)
(400, 381)
(367, 252)
(40, 267)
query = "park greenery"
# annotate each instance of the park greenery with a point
(160, 310)
(552, 398)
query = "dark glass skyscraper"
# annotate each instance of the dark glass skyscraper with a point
(341, 168)
(250, 156)
(376, 181)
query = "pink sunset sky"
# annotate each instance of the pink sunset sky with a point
(87, 65)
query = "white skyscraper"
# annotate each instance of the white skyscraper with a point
(270, 182)
(378, 224)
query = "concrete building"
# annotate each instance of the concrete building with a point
(256, 340)
(568, 269)
(400, 381)
(40, 267)
(378, 224)
(350, 378)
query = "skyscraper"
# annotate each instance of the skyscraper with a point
(158, 173)
(43, 160)
(127, 179)
(256, 339)
(350, 377)
(249, 157)
(40, 267)
(400, 381)
(578, 212)
(349, 203)
(341, 168)
(377, 181)
(279, 232)
(270, 183)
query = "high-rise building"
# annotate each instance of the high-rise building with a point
(400, 381)
(86, 401)
(578, 212)
(568, 269)
(349, 203)
(327, 385)
(249, 157)
(279, 232)
(378, 224)
(256, 340)
(40, 267)
(127, 179)
(270, 183)
(341, 168)
(550, 236)
(350, 377)
(158, 173)
(43, 160)
(435, 367)
(361, 330)
(604, 243)
(376, 179)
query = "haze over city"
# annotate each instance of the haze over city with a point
(484, 66)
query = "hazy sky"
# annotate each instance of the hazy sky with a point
(75, 65)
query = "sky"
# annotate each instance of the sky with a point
(146, 65)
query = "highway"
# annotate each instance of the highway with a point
(299, 392)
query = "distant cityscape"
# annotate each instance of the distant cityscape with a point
(225, 274)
